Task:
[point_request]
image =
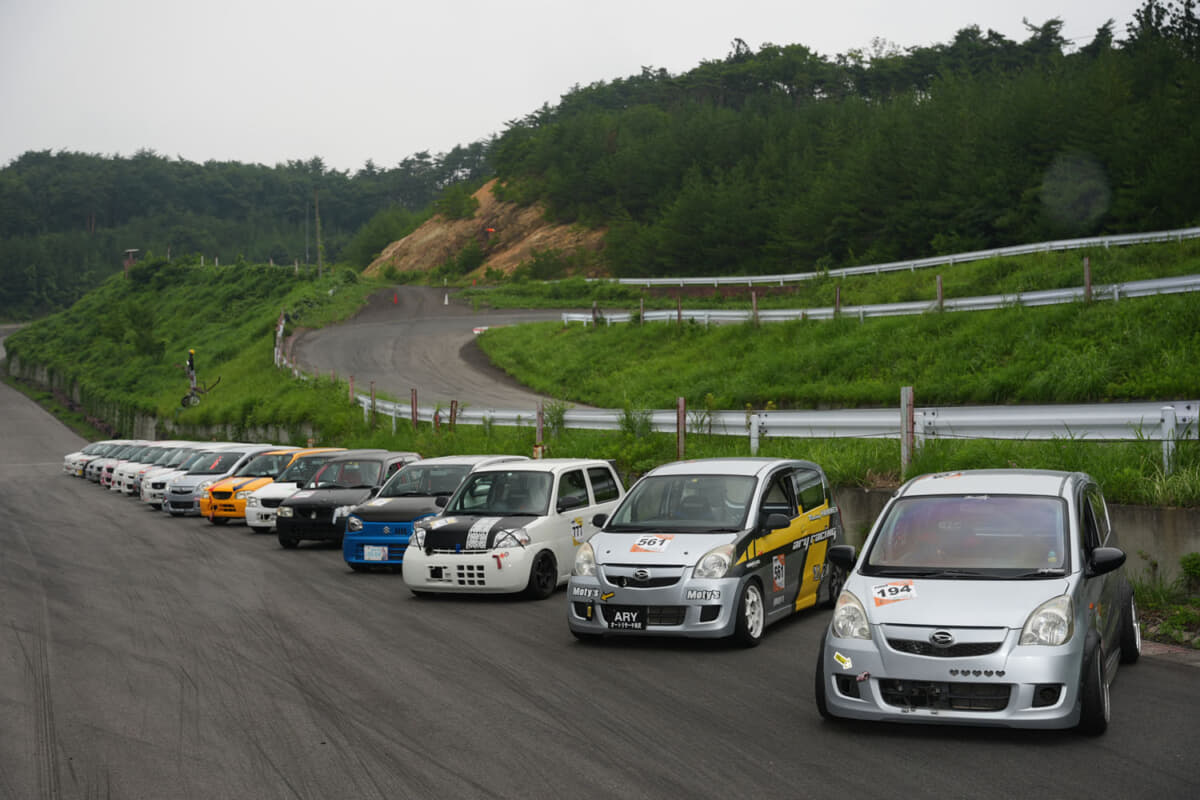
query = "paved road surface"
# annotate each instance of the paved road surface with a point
(412, 338)
(148, 657)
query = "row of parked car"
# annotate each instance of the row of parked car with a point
(993, 597)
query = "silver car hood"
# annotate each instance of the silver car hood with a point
(968, 603)
(649, 548)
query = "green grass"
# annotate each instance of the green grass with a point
(119, 351)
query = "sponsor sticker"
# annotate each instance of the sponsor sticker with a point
(893, 592)
(652, 543)
(702, 594)
(585, 592)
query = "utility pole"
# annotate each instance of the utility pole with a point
(317, 219)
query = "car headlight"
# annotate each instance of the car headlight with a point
(353, 524)
(417, 539)
(1052, 623)
(341, 511)
(241, 495)
(202, 487)
(850, 618)
(585, 560)
(251, 500)
(283, 511)
(518, 537)
(715, 563)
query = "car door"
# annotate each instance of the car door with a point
(1103, 591)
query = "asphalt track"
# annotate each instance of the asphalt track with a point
(417, 337)
(148, 657)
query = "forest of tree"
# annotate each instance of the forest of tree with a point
(779, 160)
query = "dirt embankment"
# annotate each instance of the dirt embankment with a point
(507, 233)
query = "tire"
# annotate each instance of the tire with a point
(543, 576)
(1094, 700)
(288, 542)
(219, 520)
(835, 579)
(819, 687)
(751, 616)
(1131, 631)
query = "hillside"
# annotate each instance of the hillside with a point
(508, 234)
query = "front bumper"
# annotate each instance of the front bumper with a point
(377, 544)
(1013, 686)
(668, 603)
(503, 571)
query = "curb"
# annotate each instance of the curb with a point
(1171, 652)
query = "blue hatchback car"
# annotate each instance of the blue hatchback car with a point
(377, 530)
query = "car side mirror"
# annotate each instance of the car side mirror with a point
(1104, 559)
(441, 500)
(599, 519)
(774, 522)
(842, 556)
(570, 501)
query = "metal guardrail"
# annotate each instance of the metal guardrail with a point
(1121, 240)
(1110, 291)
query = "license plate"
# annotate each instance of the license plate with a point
(628, 618)
(374, 552)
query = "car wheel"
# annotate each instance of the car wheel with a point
(288, 542)
(1131, 631)
(219, 520)
(835, 579)
(1093, 718)
(751, 616)
(819, 687)
(543, 576)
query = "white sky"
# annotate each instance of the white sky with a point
(268, 81)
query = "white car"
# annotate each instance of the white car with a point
(153, 488)
(74, 463)
(125, 475)
(511, 528)
(261, 504)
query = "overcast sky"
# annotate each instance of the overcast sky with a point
(268, 81)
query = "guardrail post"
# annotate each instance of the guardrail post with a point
(754, 306)
(680, 427)
(754, 434)
(539, 449)
(453, 413)
(372, 422)
(351, 388)
(1168, 437)
(837, 300)
(678, 309)
(1087, 279)
(642, 311)
(413, 401)
(906, 429)
(941, 295)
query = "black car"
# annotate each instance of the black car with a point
(318, 510)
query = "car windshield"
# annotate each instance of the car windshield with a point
(425, 480)
(349, 474)
(267, 465)
(303, 468)
(503, 493)
(686, 503)
(986, 536)
(215, 463)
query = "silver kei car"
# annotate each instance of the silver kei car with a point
(984, 597)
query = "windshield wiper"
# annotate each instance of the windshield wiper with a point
(1044, 572)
